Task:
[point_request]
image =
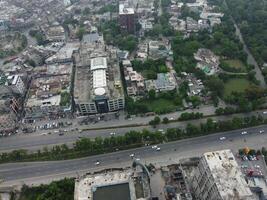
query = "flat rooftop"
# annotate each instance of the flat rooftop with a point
(227, 174)
(109, 185)
(112, 192)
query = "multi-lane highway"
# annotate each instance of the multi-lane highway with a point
(38, 172)
(37, 141)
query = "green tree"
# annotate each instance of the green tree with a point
(152, 94)
(165, 120)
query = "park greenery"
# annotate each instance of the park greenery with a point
(132, 139)
(57, 190)
(251, 18)
(160, 103)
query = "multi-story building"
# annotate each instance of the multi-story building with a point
(126, 18)
(16, 83)
(218, 177)
(98, 88)
(49, 93)
(135, 83)
(55, 34)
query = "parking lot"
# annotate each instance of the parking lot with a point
(252, 165)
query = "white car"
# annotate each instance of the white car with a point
(222, 138)
(171, 118)
(158, 149)
(244, 132)
(112, 133)
(261, 131)
(97, 163)
(160, 130)
(137, 159)
(154, 147)
(264, 112)
(132, 155)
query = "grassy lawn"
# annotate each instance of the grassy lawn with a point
(236, 63)
(160, 105)
(235, 85)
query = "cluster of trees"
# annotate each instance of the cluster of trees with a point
(65, 98)
(187, 116)
(187, 12)
(222, 41)
(19, 42)
(39, 36)
(161, 26)
(150, 67)
(132, 139)
(114, 36)
(251, 99)
(109, 8)
(155, 121)
(250, 16)
(57, 190)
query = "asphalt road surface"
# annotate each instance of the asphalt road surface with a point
(35, 141)
(42, 172)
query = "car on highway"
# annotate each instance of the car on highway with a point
(112, 133)
(264, 112)
(158, 149)
(61, 134)
(97, 163)
(137, 159)
(261, 131)
(222, 138)
(132, 155)
(244, 132)
(154, 147)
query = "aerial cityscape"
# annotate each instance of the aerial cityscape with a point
(133, 100)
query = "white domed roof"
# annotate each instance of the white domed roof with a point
(100, 91)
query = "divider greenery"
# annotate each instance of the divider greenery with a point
(132, 139)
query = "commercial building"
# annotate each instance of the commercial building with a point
(218, 177)
(126, 18)
(98, 88)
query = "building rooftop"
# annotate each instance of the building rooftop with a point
(99, 63)
(92, 37)
(227, 175)
(102, 77)
(123, 10)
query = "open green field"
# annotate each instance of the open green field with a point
(235, 85)
(160, 105)
(235, 63)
